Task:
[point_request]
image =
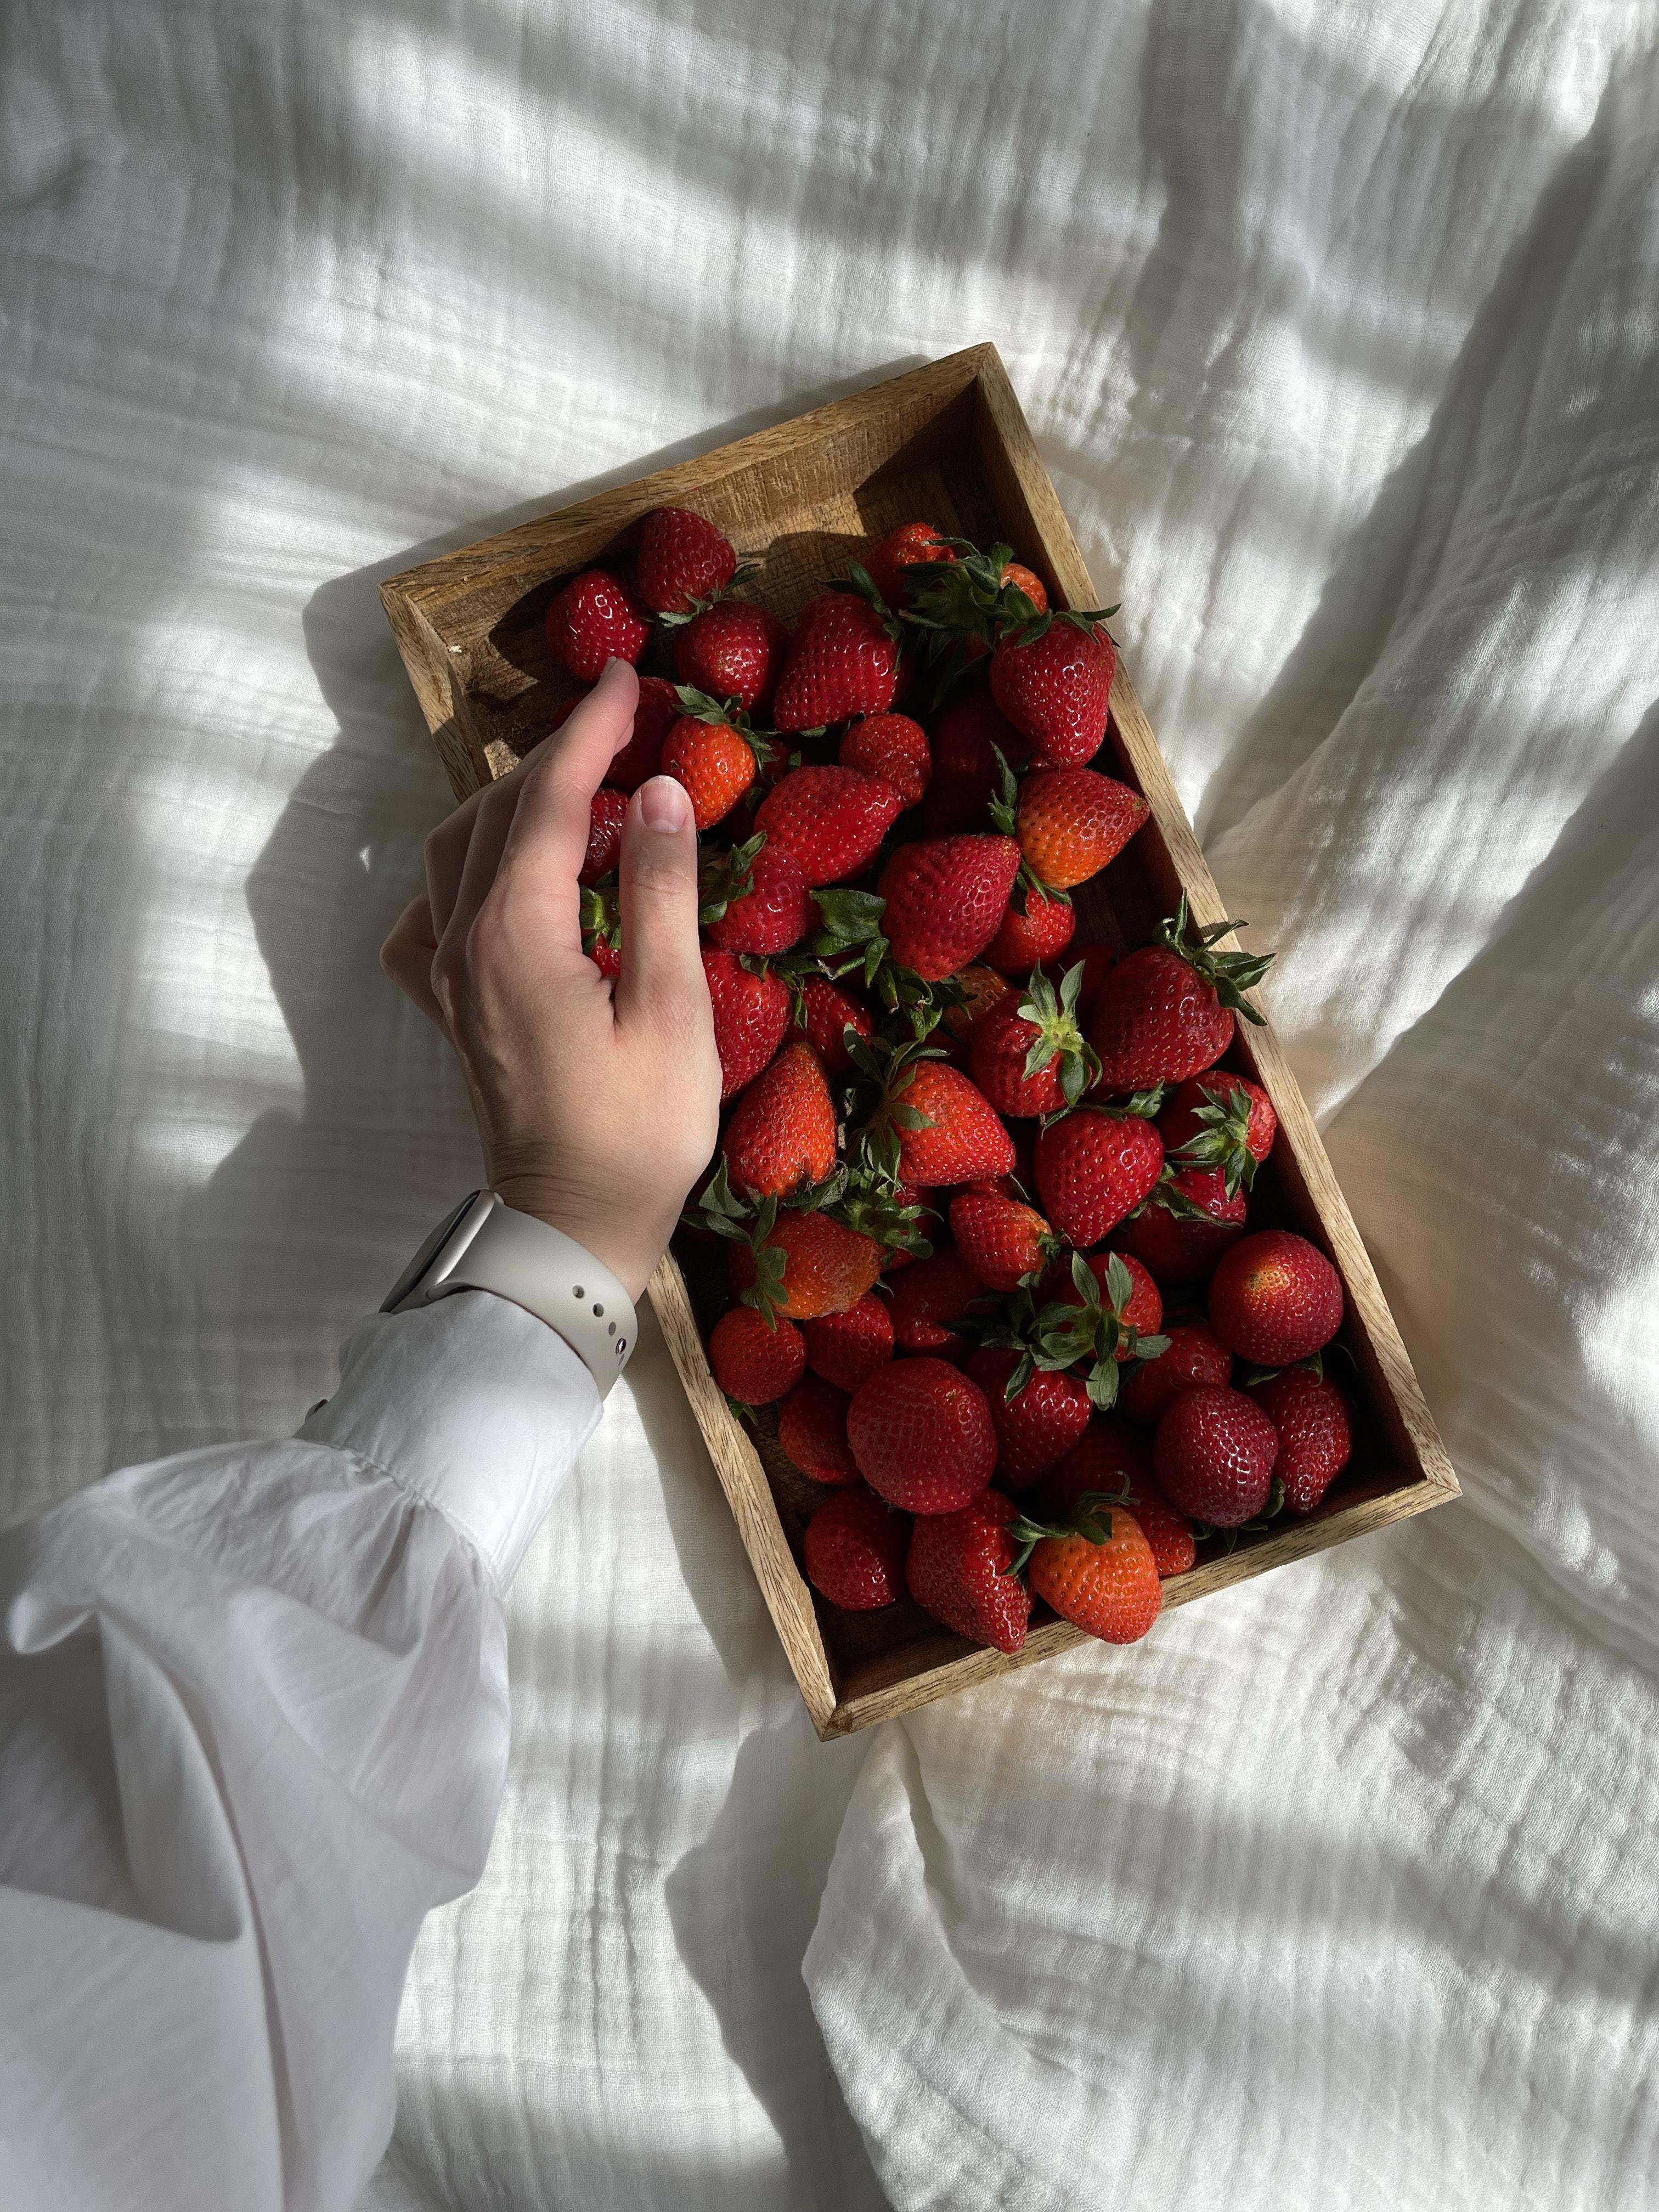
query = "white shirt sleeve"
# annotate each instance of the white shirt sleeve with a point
(253, 1726)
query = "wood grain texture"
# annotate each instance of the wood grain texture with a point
(949, 443)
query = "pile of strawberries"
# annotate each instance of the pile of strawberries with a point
(984, 1192)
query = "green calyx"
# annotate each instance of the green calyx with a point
(601, 914)
(1229, 974)
(1087, 619)
(1097, 1333)
(852, 943)
(1053, 1016)
(745, 573)
(1091, 1520)
(727, 714)
(1167, 1194)
(720, 1208)
(1224, 1141)
(888, 1070)
(724, 877)
(861, 584)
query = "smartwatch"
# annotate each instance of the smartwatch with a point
(487, 1245)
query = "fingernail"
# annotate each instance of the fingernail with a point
(664, 805)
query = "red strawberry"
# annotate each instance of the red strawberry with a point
(893, 748)
(1053, 679)
(913, 544)
(1187, 1222)
(1027, 1053)
(641, 758)
(681, 559)
(981, 987)
(782, 1132)
(806, 1265)
(753, 1362)
(1219, 1121)
(1099, 1574)
(1213, 1456)
(1071, 823)
(604, 835)
(605, 956)
(1196, 1355)
(1039, 1424)
(732, 651)
(967, 776)
(716, 762)
(832, 819)
(1166, 1010)
(594, 620)
(1040, 934)
(755, 901)
(928, 1297)
(1022, 579)
(855, 1549)
(752, 1014)
(945, 898)
(1140, 1309)
(826, 1011)
(1002, 1240)
(1092, 1167)
(1275, 1298)
(923, 1435)
(1097, 962)
(813, 1430)
(1315, 1437)
(959, 1569)
(960, 1138)
(845, 1348)
(1109, 1458)
(844, 659)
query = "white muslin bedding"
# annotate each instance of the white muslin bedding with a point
(1339, 327)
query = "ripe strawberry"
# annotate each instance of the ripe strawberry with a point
(752, 1014)
(755, 899)
(913, 544)
(641, 758)
(959, 1569)
(1109, 1459)
(1097, 962)
(1166, 1010)
(1099, 1573)
(1137, 1305)
(605, 956)
(1092, 1167)
(781, 1134)
(806, 1265)
(1275, 1298)
(1039, 1424)
(681, 559)
(1213, 1455)
(753, 1362)
(922, 1436)
(945, 898)
(1072, 822)
(962, 610)
(928, 1297)
(714, 759)
(1053, 678)
(732, 650)
(1187, 1222)
(982, 987)
(967, 776)
(813, 1430)
(593, 620)
(604, 835)
(1195, 1355)
(960, 1138)
(845, 1348)
(844, 659)
(1315, 1437)
(1019, 577)
(1219, 1121)
(832, 819)
(1027, 1053)
(893, 748)
(1088, 1317)
(824, 1012)
(855, 1549)
(1039, 935)
(1002, 1240)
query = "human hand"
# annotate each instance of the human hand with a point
(596, 1104)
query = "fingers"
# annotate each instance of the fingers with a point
(406, 956)
(548, 835)
(661, 962)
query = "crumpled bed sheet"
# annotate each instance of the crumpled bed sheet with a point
(1340, 332)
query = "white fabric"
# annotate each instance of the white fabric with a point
(1338, 329)
(253, 1721)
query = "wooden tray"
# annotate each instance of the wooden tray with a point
(948, 443)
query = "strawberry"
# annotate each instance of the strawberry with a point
(1275, 1298)
(732, 650)
(967, 774)
(754, 1361)
(1092, 1167)
(962, 610)
(1052, 677)
(959, 1569)
(913, 544)
(1315, 1437)
(1039, 1424)
(1097, 962)
(1017, 577)
(922, 1436)
(1098, 1571)
(805, 1264)
(755, 899)
(594, 620)
(1072, 822)
(681, 559)
(845, 1348)
(980, 987)
(1002, 1240)
(1187, 1222)
(945, 898)
(949, 1131)
(1037, 934)
(1166, 1010)
(751, 1015)
(844, 659)
(604, 835)
(1134, 1296)
(813, 1430)
(826, 1010)
(605, 956)
(781, 1134)
(1027, 1053)
(1213, 1455)
(893, 748)
(641, 758)
(930, 1295)
(1076, 1321)
(855, 1549)
(832, 819)
(1195, 1355)
(712, 752)
(1110, 1459)
(1219, 1121)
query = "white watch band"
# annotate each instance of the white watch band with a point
(486, 1245)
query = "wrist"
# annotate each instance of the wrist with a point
(631, 1257)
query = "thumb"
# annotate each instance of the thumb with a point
(662, 958)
